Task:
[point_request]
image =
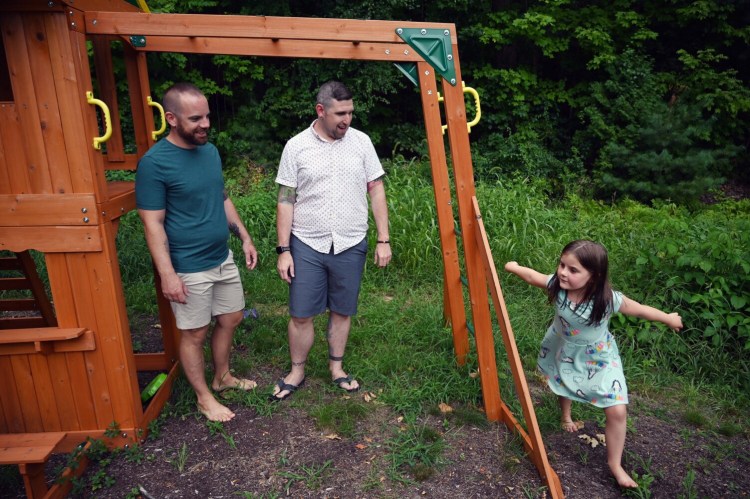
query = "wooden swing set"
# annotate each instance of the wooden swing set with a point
(72, 374)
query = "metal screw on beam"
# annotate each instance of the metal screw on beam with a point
(453, 81)
(85, 220)
(94, 22)
(73, 25)
(406, 52)
(449, 57)
(84, 210)
(423, 31)
(446, 32)
(124, 434)
(50, 4)
(399, 31)
(387, 52)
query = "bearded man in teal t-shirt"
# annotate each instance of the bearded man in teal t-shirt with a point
(187, 218)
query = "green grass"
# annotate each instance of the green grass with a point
(401, 350)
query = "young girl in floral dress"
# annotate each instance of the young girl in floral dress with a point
(579, 356)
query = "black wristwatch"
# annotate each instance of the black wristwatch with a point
(281, 249)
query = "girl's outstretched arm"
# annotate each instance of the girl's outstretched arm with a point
(632, 307)
(531, 276)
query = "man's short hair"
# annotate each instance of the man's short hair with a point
(172, 96)
(333, 90)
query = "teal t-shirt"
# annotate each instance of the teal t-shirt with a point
(189, 185)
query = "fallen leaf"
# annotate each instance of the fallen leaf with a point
(602, 439)
(360, 446)
(332, 436)
(368, 440)
(474, 374)
(590, 441)
(445, 408)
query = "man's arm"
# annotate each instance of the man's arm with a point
(284, 215)
(237, 228)
(376, 190)
(156, 238)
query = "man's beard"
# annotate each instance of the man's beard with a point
(190, 137)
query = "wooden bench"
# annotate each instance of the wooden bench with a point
(30, 451)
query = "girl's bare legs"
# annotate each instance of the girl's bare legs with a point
(566, 420)
(617, 417)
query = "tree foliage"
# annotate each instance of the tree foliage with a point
(552, 76)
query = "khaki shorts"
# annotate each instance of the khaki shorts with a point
(213, 292)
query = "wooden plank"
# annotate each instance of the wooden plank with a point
(21, 322)
(314, 49)
(46, 5)
(51, 239)
(121, 200)
(105, 75)
(152, 361)
(37, 287)
(69, 99)
(235, 26)
(455, 112)
(24, 378)
(534, 442)
(11, 404)
(114, 342)
(45, 392)
(34, 447)
(85, 120)
(75, 363)
(26, 210)
(97, 368)
(138, 85)
(18, 304)
(36, 167)
(128, 162)
(13, 157)
(3, 425)
(443, 202)
(40, 334)
(48, 111)
(9, 283)
(85, 343)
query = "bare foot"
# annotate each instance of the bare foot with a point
(214, 411)
(229, 382)
(623, 479)
(571, 426)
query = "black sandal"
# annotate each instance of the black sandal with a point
(288, 387)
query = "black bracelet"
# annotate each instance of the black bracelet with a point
(387, 241)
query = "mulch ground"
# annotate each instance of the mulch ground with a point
(286, 455)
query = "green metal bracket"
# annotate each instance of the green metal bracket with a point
(434, 45)
(410, 71)
(138, 41)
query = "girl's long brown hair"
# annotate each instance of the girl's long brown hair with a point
(598, 292)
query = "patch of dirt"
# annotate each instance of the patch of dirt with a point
(286, 455)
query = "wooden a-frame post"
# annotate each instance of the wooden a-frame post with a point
(66, 25)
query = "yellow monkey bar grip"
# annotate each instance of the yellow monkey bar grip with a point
(107, 121)
(158, 106)
(467, 90)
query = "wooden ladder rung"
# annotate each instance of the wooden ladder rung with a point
(18, 304)
(9, 283)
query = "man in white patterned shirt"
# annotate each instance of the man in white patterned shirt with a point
(325, 176)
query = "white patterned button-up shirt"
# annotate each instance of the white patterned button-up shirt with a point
(330, 179)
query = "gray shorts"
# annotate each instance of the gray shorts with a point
(212, 292)
(325, 280)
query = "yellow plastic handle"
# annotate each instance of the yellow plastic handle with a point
(158, 106)
(467, 90)
(107, 121)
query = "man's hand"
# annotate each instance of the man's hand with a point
(285, 266)
(251, 254)
(382, 254)
(174, 289)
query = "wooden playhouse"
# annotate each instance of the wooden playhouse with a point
(71, 372)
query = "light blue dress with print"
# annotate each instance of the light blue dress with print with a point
(582, 362)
